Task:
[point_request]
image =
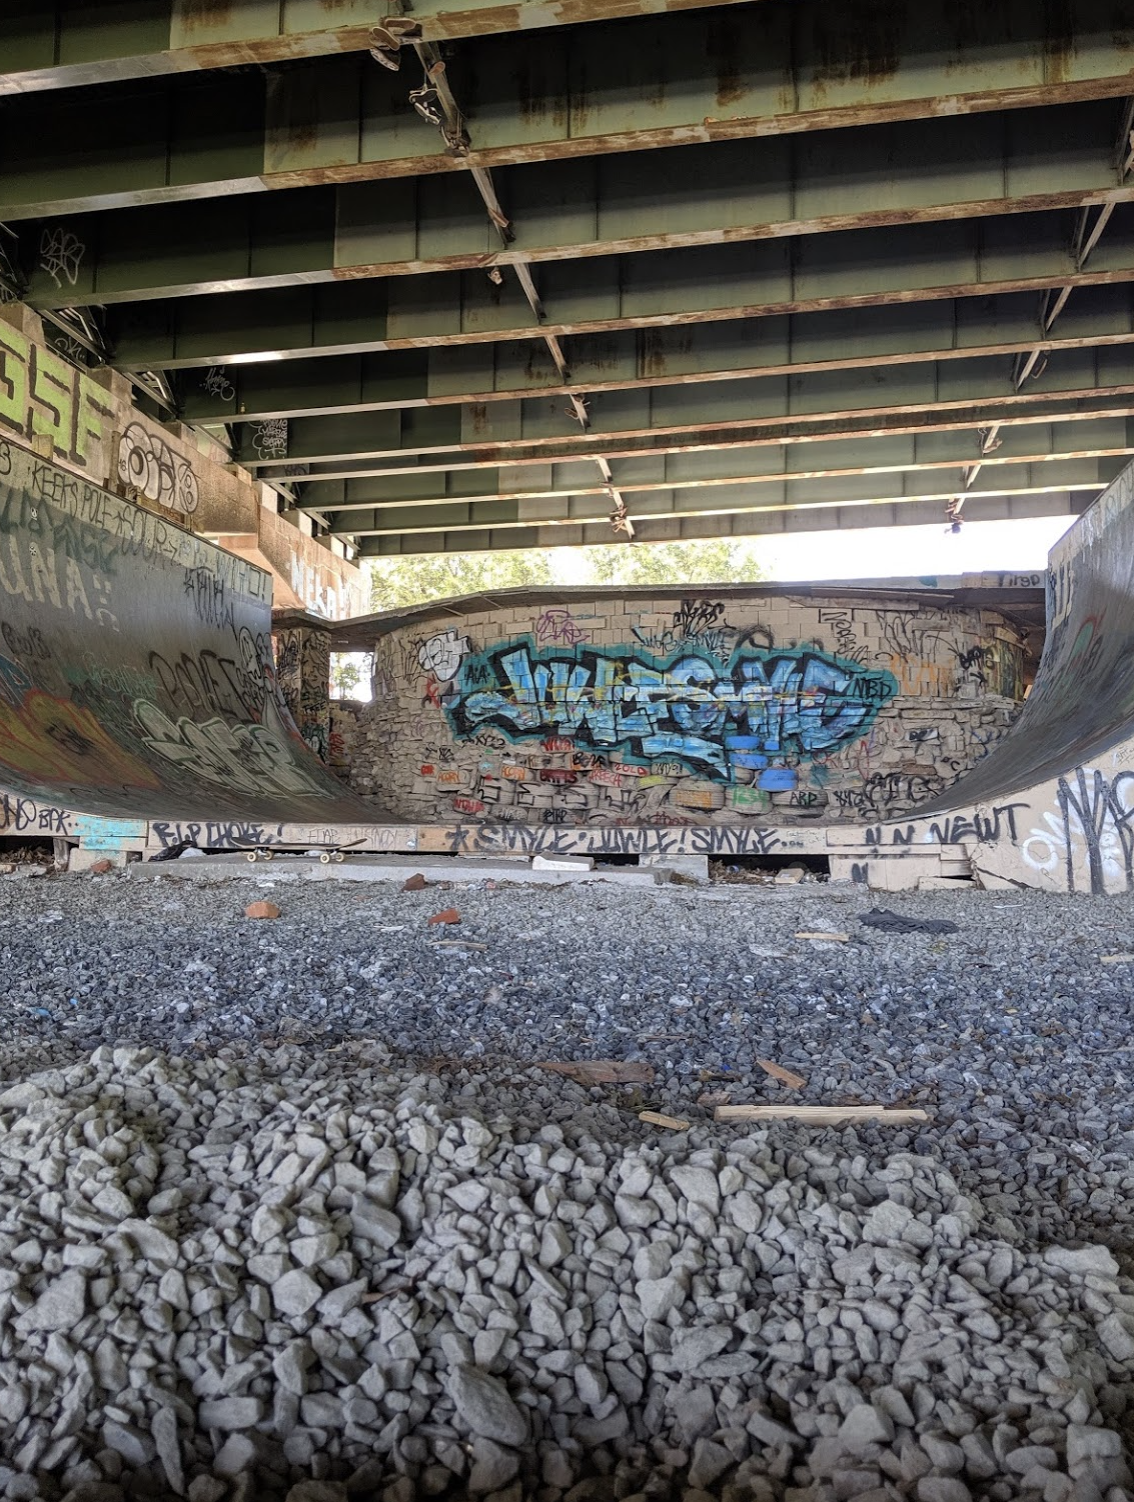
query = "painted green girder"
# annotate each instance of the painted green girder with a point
(1095, 376)
(66, 44)
(920, 171)
(819, 517)
(872, 268)
(943, 455)
(1048, 477)
(625, 85)
(856, 338)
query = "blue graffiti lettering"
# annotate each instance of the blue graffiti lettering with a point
(717, 718)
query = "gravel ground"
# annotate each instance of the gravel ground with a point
(336, 1236)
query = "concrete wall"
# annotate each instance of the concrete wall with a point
(692, 711)
(84, 421)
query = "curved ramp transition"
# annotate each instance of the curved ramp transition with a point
(136, 670)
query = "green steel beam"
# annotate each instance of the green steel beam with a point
(1095, 376)
(708, 284)
(913, 172)
(624, 86)
(857, 338)
(953, 453)
(818, 518)
(64, 44)
(1089, 476)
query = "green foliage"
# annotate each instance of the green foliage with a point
(346, 674)
(435, 576)
(712, 560)
(415, 579)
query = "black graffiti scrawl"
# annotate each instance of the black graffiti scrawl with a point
(718, 717)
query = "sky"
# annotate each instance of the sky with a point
(912, 552)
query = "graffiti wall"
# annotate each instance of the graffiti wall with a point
(303, 670)
(616, 710)
(83, 420)
(136, 669)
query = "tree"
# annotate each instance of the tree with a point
(412, 580)
(346, 674)
(711, 560)
(415, 579)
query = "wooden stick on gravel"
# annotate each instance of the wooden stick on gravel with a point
(818, 1115)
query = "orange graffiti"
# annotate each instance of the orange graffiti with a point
(55, 741)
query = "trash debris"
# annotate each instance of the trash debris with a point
(261, 910)
(790, 875)
(895, 923)
(819, 1115)
(658, 1119)
(785, 1076)
(100, 868)
(823, 938)
(415, 883)
(446, 915)
(1117, 959)
(602, 1071)
(7, 868)
(715, 1098)
(190, 852)
(458, 944)
(173, 852)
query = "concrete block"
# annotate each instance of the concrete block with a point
(692, 867)
(563, 863)
(82, 860)
(901, 874)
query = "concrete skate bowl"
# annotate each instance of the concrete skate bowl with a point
(1082, 702)
(136, 670)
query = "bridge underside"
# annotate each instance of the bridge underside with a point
(505, 276)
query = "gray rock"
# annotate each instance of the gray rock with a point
(710, 1461)
(485, 1406)
(493, 1466)
(135, 1448)
(942, 1489)
(60, 1306)
(658, 1296)
(163, 1430)
(1116, 1338)
(1082, 1260)
(230, 1413)
(296, 1293)
(374, 1222)
(863, 1426)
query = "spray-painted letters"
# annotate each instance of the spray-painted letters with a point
(717, 718)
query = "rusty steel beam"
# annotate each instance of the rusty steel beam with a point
(651, 82)
(1086, 477)
(963, 430)
(64, 46)
(636, 360)
(938, 454)
(927, 171)
(739, 453)
(709, 284)
(1095, 376)
(819, 518)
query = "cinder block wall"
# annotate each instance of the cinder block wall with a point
(689, 711)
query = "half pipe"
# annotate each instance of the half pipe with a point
(136, 671)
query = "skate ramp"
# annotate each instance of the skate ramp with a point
(1082, 702)
(136, 669)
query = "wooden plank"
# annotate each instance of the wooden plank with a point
(819, 1115)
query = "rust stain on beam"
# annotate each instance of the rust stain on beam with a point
(654, 320)
(451, 25)
(877, 422)
(580, 385)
